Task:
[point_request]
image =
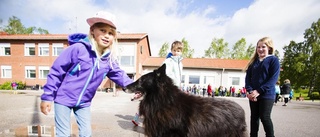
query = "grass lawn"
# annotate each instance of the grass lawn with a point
(304, 94)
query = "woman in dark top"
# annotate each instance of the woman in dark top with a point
(285, 91)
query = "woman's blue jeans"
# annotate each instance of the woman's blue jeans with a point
(261, 110)
(63, 116)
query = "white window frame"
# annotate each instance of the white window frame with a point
(28, 70)
(41, 72)
(3, 47)
(43, 49)
(55, 47)
(27, 47)
(5, 70)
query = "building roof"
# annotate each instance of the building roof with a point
(62, 36)
(204, 63)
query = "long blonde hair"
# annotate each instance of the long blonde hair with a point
(265, 40)
(112, 48)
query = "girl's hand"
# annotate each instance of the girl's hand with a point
(45, 107)
(253, 96)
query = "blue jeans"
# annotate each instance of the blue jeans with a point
(63, 116)
(261, 110)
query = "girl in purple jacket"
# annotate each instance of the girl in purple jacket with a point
(77, 73)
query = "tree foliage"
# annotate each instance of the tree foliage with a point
(186, 52)
(238, 49)
(218, 49)
(164, 50)
(16, 27)
(301, 60)
(276, 53)
(249, 51)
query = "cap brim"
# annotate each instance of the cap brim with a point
(94, 20)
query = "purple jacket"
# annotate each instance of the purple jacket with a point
(77, 73)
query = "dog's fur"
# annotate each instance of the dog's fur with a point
(168, 112)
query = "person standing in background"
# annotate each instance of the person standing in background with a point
(14, 86)
(261, 76)
(285, 91)
(209, 91)
(277, 90)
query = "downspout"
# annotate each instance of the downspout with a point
(221, 79)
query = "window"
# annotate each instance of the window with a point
(57, 48)
(127, 61)
(6, 72)
(29, 49)
(182, 78)
(30, 72)
(194, 79)
(43, 72)
(235, 80)
(45, 131)
(5, 49)
(43, 49)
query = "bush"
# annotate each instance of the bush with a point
(315, 95)
(21, 85)
(6, 86)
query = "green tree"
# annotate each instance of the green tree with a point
(276, 53)
(1, 29)
(293, 64)
(238, 49)
(218, 49)
(187, 51)
(164, 50)
(249, 51)
(16, 27)
(312, 46)
(301, 60)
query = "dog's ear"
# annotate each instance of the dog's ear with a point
(161, 70)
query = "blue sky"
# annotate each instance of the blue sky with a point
(198, 21)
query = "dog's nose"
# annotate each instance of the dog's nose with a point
(124, 89)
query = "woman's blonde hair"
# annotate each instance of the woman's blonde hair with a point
(286, 81)
(265, 40)
(113, 50)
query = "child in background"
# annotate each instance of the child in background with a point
(84, 64)
(173, 63)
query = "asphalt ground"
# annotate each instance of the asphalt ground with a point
(111, 116)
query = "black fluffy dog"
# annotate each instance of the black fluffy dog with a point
(168, 112)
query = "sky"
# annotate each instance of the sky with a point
(198, 21)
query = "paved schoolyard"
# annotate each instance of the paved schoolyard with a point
(111, 116)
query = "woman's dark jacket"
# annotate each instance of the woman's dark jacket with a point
(285, 89)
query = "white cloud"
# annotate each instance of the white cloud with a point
(282, 20)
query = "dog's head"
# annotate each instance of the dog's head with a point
(150, 81)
